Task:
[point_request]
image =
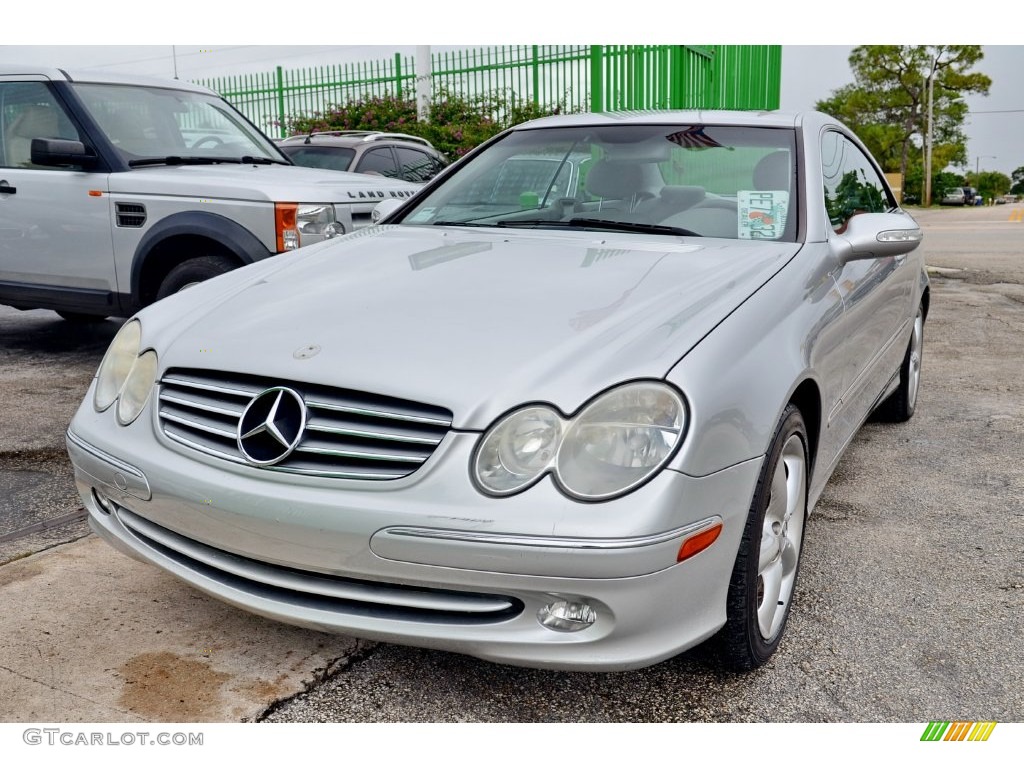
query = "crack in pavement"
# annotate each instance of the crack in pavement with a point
(52, 687)
(363, 651)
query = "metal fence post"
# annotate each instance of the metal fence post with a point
(536, 75)
(596, 78)
(280, 103)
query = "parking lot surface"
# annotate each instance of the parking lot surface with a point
(909, 605)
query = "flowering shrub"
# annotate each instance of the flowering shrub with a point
(456, 123)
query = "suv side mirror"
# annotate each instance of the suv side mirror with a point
(877, 235)
(62, 152)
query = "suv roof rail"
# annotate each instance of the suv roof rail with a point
(367, 136)
(377, 135)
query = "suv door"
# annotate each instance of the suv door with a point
(55, 234)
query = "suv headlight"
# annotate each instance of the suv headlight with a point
(125, 376)
(299, 224)
(614, 444)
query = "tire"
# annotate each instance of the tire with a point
(900, 405)
(193, 271)
(764, 577)
(80, 319)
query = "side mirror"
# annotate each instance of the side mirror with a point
(385, 208)
(62, 152)
(878, 235)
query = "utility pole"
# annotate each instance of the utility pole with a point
(424, 82)
(928, 138)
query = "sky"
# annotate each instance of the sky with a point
(810, 72)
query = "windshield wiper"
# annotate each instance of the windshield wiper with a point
(251, 160)
(201, 160)
(631, 226)
(577, 223)
(467, 223)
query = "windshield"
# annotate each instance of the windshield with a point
(147, 123)
(697, 180)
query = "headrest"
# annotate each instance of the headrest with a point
(773, 171)
(614, 180)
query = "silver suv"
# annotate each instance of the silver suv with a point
(394, 155)
(116, 191)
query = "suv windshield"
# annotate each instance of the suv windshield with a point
(152, 123)
(705, 180)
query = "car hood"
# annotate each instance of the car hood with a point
(478, 321)
(260, 183)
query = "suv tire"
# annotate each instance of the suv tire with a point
(193, 271)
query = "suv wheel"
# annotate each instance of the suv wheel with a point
(193, 271)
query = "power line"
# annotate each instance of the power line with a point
(165, 57)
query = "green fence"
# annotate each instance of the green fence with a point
(581, 78)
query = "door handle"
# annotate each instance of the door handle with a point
(7, 189)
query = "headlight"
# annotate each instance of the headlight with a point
(136, 388)
(617, 442)
(303, 224)
(318, 220)
(518, 450)
(620, 440)
(125, 376)
(117, 364)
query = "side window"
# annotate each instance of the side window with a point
(29, 111)
(852, 185)
(379, 161)
(416, 165)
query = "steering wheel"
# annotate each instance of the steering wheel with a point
(215, 141)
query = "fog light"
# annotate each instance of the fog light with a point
(563, 616)
(105, 504)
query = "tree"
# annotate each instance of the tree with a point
(990, 184)
(1018, 182)
(887, 104)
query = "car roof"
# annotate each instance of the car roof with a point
(771, 119)
(90, 76)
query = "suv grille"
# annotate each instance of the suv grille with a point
(130, 214)
(348, 434)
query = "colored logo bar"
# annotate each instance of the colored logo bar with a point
(958, 731)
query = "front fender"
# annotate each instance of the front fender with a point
(231, 236)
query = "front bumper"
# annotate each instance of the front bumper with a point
(430, 562)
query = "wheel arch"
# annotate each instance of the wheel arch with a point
(185, 235)
(807, 399)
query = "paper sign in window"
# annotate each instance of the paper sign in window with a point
(762, 213)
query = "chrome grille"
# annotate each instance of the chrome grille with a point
(348, 434)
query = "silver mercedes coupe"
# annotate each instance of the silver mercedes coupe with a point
(568, 407)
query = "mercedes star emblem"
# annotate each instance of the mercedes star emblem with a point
(271, 426)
